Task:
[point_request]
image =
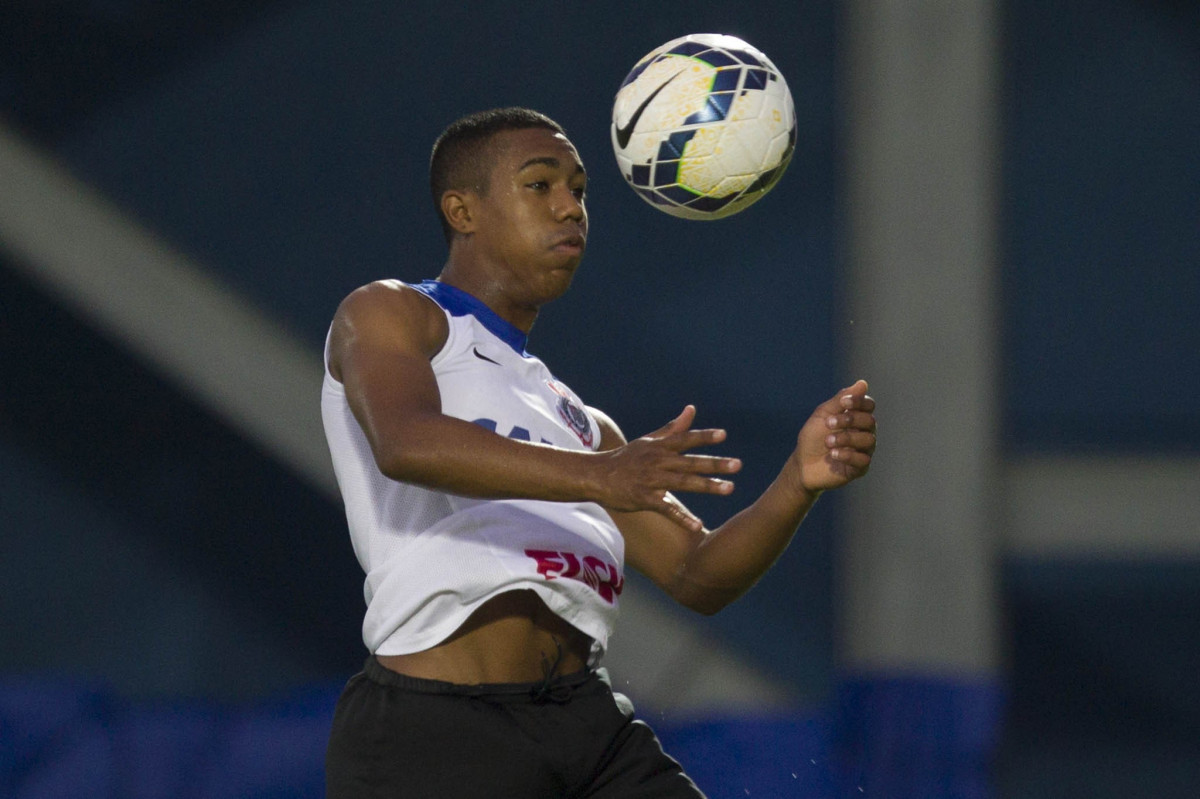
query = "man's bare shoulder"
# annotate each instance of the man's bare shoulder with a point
(388, 297)
(387, 313)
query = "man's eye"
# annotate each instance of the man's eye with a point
(539, 185)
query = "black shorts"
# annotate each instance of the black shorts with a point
(396, 736)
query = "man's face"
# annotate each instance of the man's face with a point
(532, 220)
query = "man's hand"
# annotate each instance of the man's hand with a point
(705, 572)
(642, 474)
(836, 443)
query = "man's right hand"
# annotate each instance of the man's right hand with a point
(643, 473)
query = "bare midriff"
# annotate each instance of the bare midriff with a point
(512, 637)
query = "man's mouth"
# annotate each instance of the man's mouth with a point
(573, 243)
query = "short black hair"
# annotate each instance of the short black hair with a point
(460, 155)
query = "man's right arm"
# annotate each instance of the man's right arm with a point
(381, 342)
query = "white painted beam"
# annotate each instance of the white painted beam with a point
(156, 300)
(920, 544)
(1128, 507)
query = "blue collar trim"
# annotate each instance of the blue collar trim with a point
(459, 303)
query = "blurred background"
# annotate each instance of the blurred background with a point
(993, 214)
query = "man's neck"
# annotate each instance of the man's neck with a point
(477, 281)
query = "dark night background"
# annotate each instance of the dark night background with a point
(149, 548)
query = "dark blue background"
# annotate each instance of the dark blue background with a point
(284, 144)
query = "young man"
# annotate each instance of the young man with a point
(493, 512)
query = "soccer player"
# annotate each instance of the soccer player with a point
(494, 512)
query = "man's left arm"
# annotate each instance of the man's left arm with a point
(704, 569)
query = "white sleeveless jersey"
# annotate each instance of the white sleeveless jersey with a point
(432, 558)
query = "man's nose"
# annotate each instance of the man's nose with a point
(568, 206)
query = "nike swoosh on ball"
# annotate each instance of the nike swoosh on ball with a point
(625, 132)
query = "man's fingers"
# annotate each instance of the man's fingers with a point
(677, 425)
(696, 484)
(850, 397)
(677, 512)
(837, 443)
(853, 439)
(859, 388)
(693, 439)
(678, 435)
(862, 402)
(695, 474)
(702, 464)
(851, 420)
(852, 458)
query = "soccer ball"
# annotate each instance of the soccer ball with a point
(703, 126)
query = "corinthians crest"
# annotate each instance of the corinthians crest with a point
(575, 416)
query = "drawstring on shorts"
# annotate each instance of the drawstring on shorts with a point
(548, 690)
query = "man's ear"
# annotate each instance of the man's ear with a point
(458, 206)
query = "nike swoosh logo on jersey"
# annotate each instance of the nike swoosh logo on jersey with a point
(625, 132)
(483, 357)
